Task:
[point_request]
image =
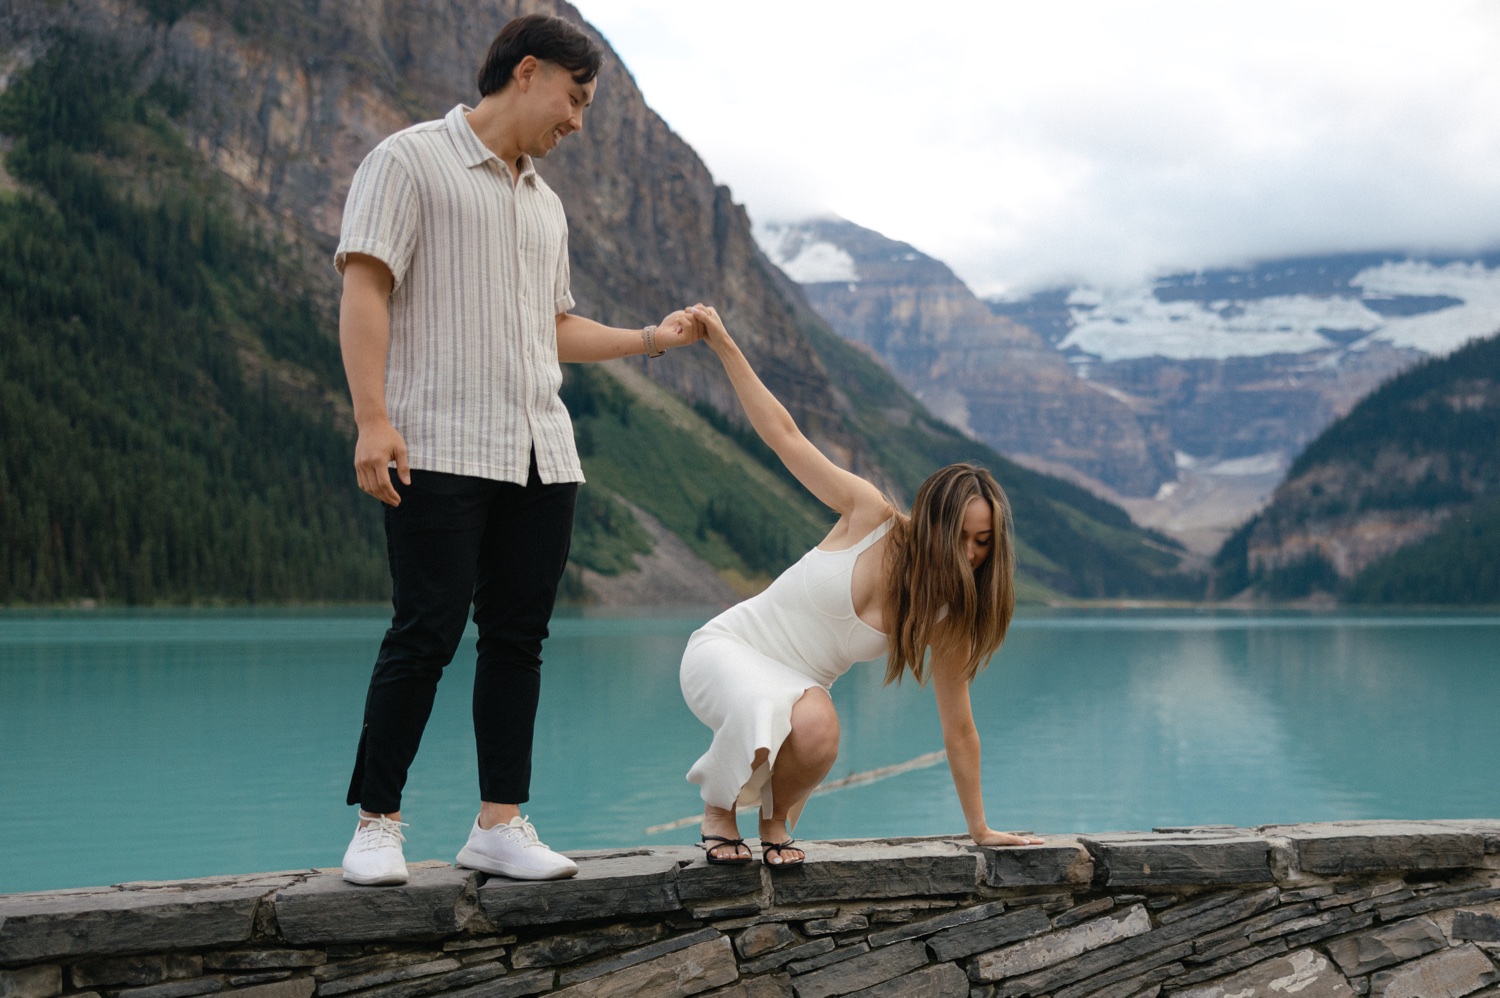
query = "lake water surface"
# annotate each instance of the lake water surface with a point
(164, 745)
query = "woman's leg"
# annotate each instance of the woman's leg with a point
(722, 822)
(805, 758)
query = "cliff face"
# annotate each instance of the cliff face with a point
(287, 98)
(987, 374)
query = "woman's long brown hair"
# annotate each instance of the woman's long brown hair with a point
(929, 571)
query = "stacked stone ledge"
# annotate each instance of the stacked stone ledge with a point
(1390, 910)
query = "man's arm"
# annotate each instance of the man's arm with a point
(581, 341)
(364, 338)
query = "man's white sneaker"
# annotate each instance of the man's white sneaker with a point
(513, 850)
(374, 855)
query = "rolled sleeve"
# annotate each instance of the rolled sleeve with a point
(562, 295)
(380, 216)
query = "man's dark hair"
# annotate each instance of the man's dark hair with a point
(550, 39)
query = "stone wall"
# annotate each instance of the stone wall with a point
(1316, 911)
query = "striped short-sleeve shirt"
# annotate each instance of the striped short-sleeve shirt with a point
(481, 272)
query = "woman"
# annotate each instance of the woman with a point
(758, 674)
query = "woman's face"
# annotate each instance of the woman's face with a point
(978, 535)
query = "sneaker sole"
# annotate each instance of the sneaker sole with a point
(477, 861)
(389, 880)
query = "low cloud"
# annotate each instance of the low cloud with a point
(1037, 144)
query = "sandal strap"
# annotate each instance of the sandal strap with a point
(718, 841)
(778, 846)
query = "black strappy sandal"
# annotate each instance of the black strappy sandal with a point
(708, 843)
(767, 847)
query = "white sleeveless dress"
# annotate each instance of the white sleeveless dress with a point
(743, 670)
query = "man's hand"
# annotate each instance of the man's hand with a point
(678, 330)
(379, 444)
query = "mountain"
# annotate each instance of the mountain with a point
(987, 374)
(171, 198)
(1397, 502)
(1183, 399)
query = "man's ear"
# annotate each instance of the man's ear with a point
(526, 70)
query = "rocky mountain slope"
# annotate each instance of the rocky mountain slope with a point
(257, 113)
(1397, 502)
(1214, 380)
(987, 374)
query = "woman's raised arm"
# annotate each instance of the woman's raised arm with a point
(961, 740)
(836, 488)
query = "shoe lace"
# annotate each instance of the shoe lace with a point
(524, 826)
(380, 833)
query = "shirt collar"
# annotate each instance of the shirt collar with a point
(473, 152)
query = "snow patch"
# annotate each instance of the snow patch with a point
(802, 258)
(1446, 330)
(1130, 324)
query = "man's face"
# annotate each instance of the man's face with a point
(554, 104)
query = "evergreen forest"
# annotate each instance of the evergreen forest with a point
(1423, 444)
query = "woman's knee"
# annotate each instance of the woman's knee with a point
(815, 727)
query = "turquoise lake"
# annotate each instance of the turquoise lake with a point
(158, 745)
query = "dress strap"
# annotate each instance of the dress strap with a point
(864, 542)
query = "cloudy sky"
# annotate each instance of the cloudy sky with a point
(1046, 141)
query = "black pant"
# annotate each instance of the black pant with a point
(457, 541)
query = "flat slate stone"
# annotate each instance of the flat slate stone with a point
(32, 982)
(44, 926)
(1394, 943)
(571, 947)
(1305, 974)
(1060, 862)
(942, 981)
(1140, 860)
(645, 954)
(1479, 926)
(864, 971)
(325, 909)
(1339, 847)
(1175, 939)
(829, 958)
(175, 989)
(699, 882)
(264, 959)
(991, 933)
(606, 885)
(297, 987)
(684, 972)
(1055, 947)
(763, 938)
(770, 986)
(1452, 973)
(928, 926)
(530, 982)
(852, 871)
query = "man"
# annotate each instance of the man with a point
(455, 314)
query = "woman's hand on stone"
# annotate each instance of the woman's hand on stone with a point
(990, 837)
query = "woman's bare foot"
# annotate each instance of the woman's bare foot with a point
(773, 831)
(718, 821)
(993, 838)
